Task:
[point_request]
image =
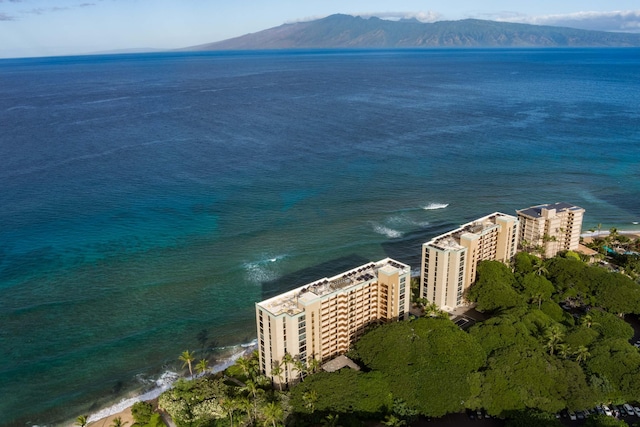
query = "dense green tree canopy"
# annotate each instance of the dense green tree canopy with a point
(518, 378)
(343, 392)
(604, 421)
(536, 288)
(524, 263)
(428, 362)
(617, 293)
(494, 287)
(194, 403)
(554, 340)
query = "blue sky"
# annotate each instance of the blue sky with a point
(61, 27)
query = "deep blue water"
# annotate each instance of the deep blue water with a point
(148, 201)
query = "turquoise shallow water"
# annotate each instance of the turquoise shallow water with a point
(147, 201)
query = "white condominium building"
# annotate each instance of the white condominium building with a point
(449, 261)
(554, 227)
(322, 319)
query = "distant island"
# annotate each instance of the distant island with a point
(353, 32)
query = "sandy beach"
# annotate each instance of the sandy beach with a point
(588, 237)
(125, 416)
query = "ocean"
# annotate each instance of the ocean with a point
(148, 201)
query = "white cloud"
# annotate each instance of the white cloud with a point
(428, 16)
(306, 19)
(620, 21)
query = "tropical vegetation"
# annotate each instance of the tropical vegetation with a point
(554, 338)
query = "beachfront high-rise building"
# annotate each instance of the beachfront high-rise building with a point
(449, 261)
(322, 319)
(554, 227)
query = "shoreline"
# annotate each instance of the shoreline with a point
(591, 235)
(604, 233)
(122, 408)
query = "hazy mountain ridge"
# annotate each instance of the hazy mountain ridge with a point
(345, 31)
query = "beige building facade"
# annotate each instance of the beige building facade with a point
(322, 319)
(449, 261)
(553, 228)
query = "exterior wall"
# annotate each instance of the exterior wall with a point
(449, 261)
(507, 244)
(444, 275)
(322, 319)
(553, 228)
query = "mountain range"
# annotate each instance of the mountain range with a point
(352, 32)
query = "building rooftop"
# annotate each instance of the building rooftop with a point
(536, 211)
(293, 301)
(451, 239)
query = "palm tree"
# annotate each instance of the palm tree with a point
(117, 422)
(393, 421)
(276, 370)
(313, 364)
(554, 336)
(230, 405)
(310, 398)
(81, 421)
(247, 367)
(421, 302)
(252, 388)
(245, 406)
(187, 357)
(587, 320)
(202, 366)
(272, 413)
(538, 297)
(582, 354)
(301, 367)
(331, 420)
(287, 360)
(540, 269)
(564, 350)
(432, 309)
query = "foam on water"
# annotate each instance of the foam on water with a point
(386, 231)
(263, 270)
(195, 197)
(406, 222)
(166, 380)
(435, 206)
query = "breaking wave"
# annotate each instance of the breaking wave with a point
(434, 206)
(386, 231)
(166, 380)
(263, 270)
